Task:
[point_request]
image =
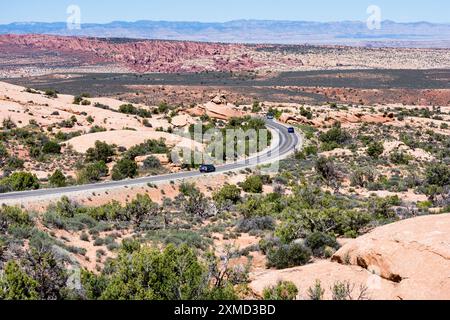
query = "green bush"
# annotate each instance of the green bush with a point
(253, 184)
(57, 179)
(14, 217)
(254, 224)
(148, 274)
(288, 256)
(92, 172)
(21, 181)
(334, 138)
(15, 284)
(51, 93)
(130, 109)
(400, 158)
(151, 162)
(284, 290)
(101, 152)
(77, 100)
(326, 168)
(318, 242)
(51, 147)
(3, 153)
(149, 146)
(124, 168)
(375, 149)
(438, 174)
(228, 193)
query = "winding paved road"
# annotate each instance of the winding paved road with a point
(285, 145)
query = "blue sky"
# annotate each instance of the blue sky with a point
(102, 11)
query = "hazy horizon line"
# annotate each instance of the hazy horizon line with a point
(224, 22)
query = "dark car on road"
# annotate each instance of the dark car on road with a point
(270, 116)
(291, 130)
(207, 168)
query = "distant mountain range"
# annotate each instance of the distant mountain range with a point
(418, 34)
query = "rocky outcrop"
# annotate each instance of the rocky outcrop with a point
(139, 55)
(182, 120)
(414, 253)
(217, 108)
(291, 119)
(406, 260)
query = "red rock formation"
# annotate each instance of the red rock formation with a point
(140, 56)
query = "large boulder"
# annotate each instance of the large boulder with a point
(414, 253)
(407, 260)
(217, 108)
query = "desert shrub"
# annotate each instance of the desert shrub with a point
(101, 106)
(80, 99)
(51, 147)
(438, 174)
(334, 138)
(306, 113)
(228, 193)
(130, 109)
(13, 217)
(253, 184)
(179, 237)
(65, 207)
(62, 136)
(96, 128)
(112, 211)
(101, 152)
(90, 119)
(258, 206)
(140, 209)
(288, 256)
(362, 177)
(346, 291)
(381, 208)
(148, 274)
(256, 107)
(375, 149)
(188, 189)
(310, 150)
(151, 162)
(298, 224)
(14, 163)
(92, 172)
(284, 290)
(327, 170)
(257, 223)
(57, 179)
(319, 242)
(197, 205)
(51, 93)
(149, 146)
(400, 158)
(8, 124)
(21, 181)
(16, 284)
(3, 153)
(124, 168)
(51, 277)
(316, 292)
